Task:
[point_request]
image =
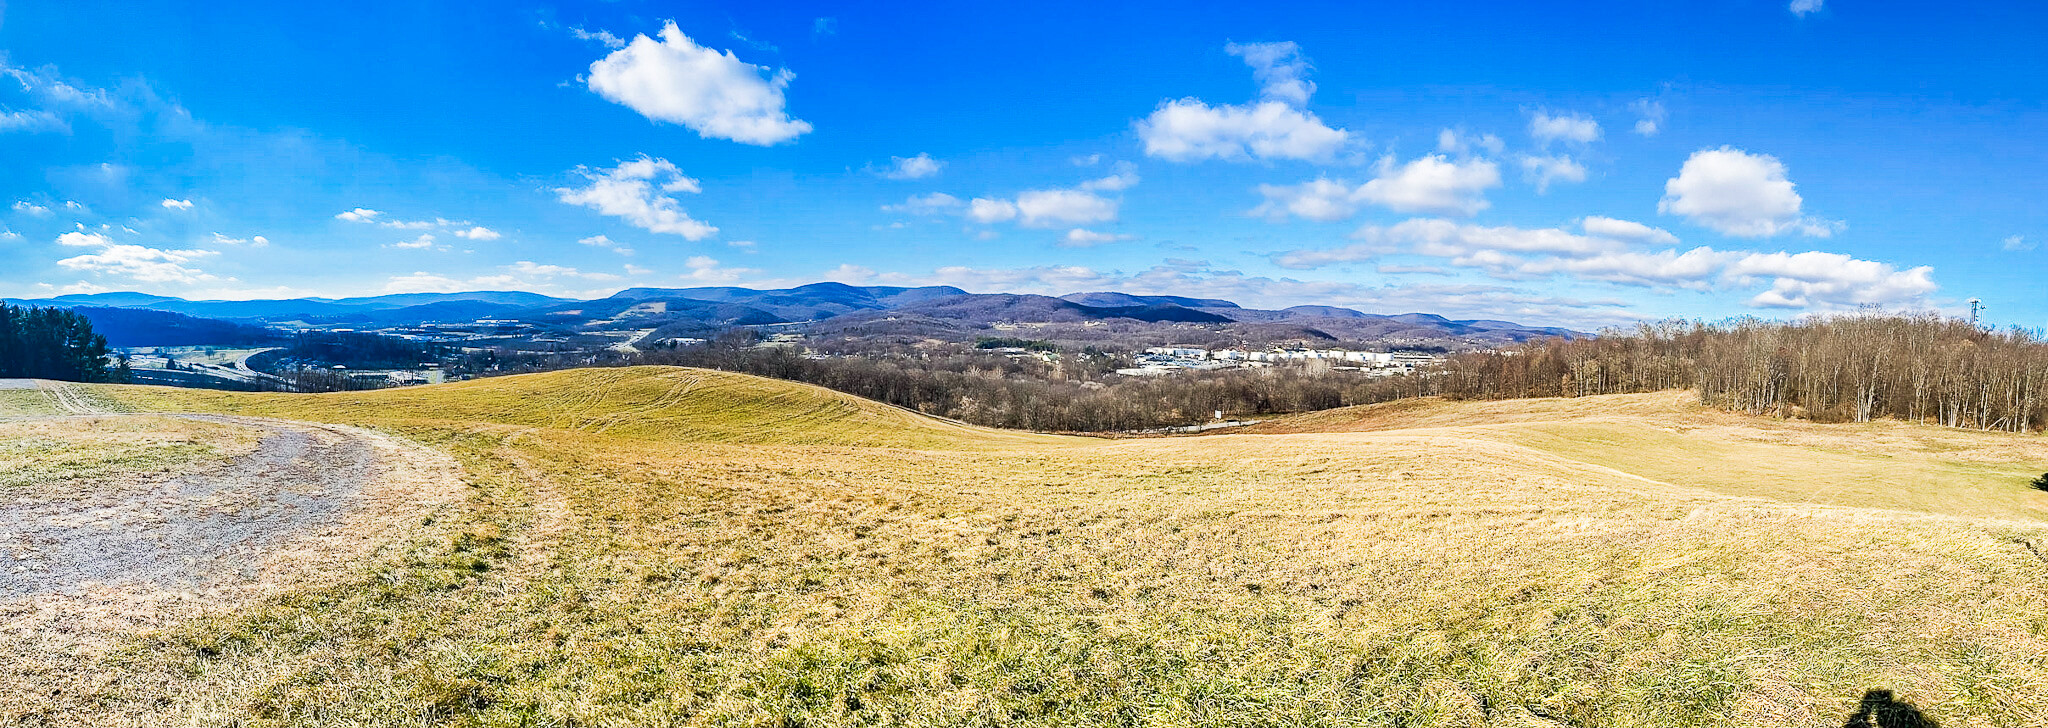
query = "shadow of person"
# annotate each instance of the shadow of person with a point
(1880, 709)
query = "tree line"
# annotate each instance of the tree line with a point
(1851, 368)
(1029, 394)
(52, 343)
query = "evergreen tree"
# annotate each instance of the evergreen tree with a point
(51, 343)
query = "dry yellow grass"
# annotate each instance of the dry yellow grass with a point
(672, 547)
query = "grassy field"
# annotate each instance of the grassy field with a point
(657, 546)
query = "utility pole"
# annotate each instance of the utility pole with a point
(1976, 305)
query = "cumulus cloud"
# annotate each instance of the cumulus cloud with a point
(1081, 205)
(1650, 116)
(1626, 230)
(639, 191)
(1569, 127)
(918, 167)
(1803, 7)
(1188, 130)
(712, 92)
(1321, 199)
(1084, 238)
(170, 204)
(1544, 170)
(360, 214)
(1816, 279)
(1433, 184)
(1276, 127)
(1605, 252)
(479, 233)
(1047, 208)
(984, 210)
(24, 206)
(134, 262)
(1739, 194)
(2016, 243)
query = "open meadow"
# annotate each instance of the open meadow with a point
(656, 546)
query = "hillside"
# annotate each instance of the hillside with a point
(674, 546)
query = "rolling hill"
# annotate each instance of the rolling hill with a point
(661, 545)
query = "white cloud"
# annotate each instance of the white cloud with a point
(712, 92)
(600, 241)
(1543, 170)
(31, 208)
(918, 167)
(424, 242)
(1802, 7)
(1276, 127)
(1570, 127)
(706, 269)
(478, 233)
(83, 239)
(1125, 177)
(1818, 280)
(1432, 184)
(850, 274)
(170, 204)
(1650, 116)
(634, 270)
(6, 234)
(1188, 130)
(1084, 238)
(931, 204)
(638, 191)
(1452, 142)
(142, 264)
(360, 214)
(1812, 280)
(422, 282)
(1626, 230)
(1321, 200)
(1279, 68)
(537, 270)
(254, 242)
(602, 36)
(1046, 208)
(2016, 243)
(1739, 194)
(747, 245)
(1086, 161)
(984, 210)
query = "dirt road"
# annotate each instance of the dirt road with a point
(306, 498)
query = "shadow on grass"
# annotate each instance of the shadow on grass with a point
(1880, 709)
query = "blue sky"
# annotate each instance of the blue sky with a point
(1582, 166)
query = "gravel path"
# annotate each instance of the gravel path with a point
(191, 529)
(307, 495)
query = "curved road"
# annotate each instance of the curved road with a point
(218, 526)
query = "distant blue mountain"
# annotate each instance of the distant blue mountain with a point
(827, 307)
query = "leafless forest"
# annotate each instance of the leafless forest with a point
(1834, 369)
